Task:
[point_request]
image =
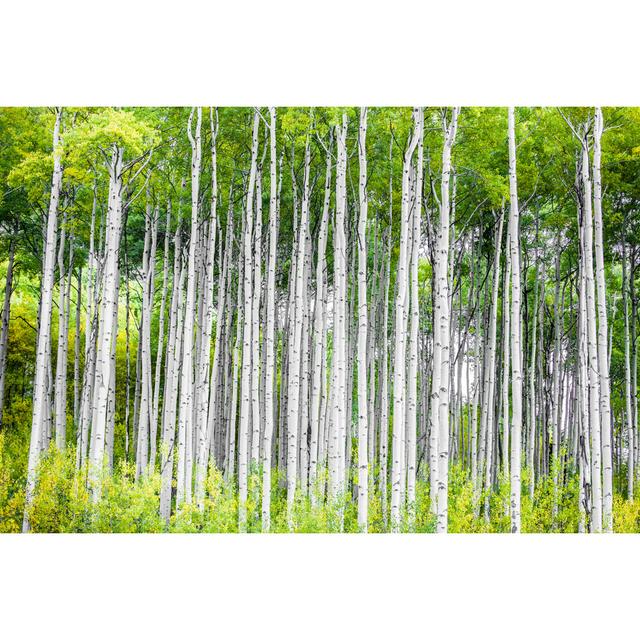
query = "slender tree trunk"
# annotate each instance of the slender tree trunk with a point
(4, 328)
(363, 425)
(440, 394)
(245, 391)
(603, 361)
(516, 348)
(185, 420)
(399, 364)
(44, 328)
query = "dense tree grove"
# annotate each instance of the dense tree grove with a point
(319, 319)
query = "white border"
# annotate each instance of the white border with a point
(135, 52)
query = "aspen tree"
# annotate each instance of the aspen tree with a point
(412, 382)
(107, 329)
(440, 393)
(44, 328)
(185, 421)
(270, 327)
(399, 364)
(603, 361)
(294, 365)
(515, 347)
(339, 416)
(61, 360)
(363, 426)
(319, 331)
(203, 378)
(245, 391)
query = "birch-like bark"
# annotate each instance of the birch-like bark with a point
(172, 376)
(269, 339)
(399, 364)
(202, 391)
(363, 425)
(627, 375)
(593, 378)
(245, 390)
(490, 383)
(338, 428)
(319, 332)
(412, 382)
(44, 328)
(160, 342)
(76, 356)
(603, 360)
(185, 420)
(440, 394)
(516, 348)
(107, 330)
(60, 396)
(294, 382)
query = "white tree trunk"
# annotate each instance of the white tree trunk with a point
(399, 364)
(516, 349)
(363, 425)
(412, 382)
(107, 330)
(245, 390)
(185, 420)
(440, 394)
(603, 360)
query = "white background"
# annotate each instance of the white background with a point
(327, 52)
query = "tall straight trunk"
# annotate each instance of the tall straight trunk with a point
(627, 371)
(555, 409)
(202, 390)
(269, 339)
(4, 327)
(603, 361)
(146, 399)
(399, 363)
(172, 376)
(160, 341)
(319, 332)
(60, 401)
(44, 328)
(593, 378)
(440, 391)
(185, 421)
(339, 417)
(506, 361)
(76, 355)
(245, 390)
(412, 382)
(107, 329)
(256, 418)
(491, 369)
(532, 387)
(363, 425)
(294, 382)
(516, 332)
